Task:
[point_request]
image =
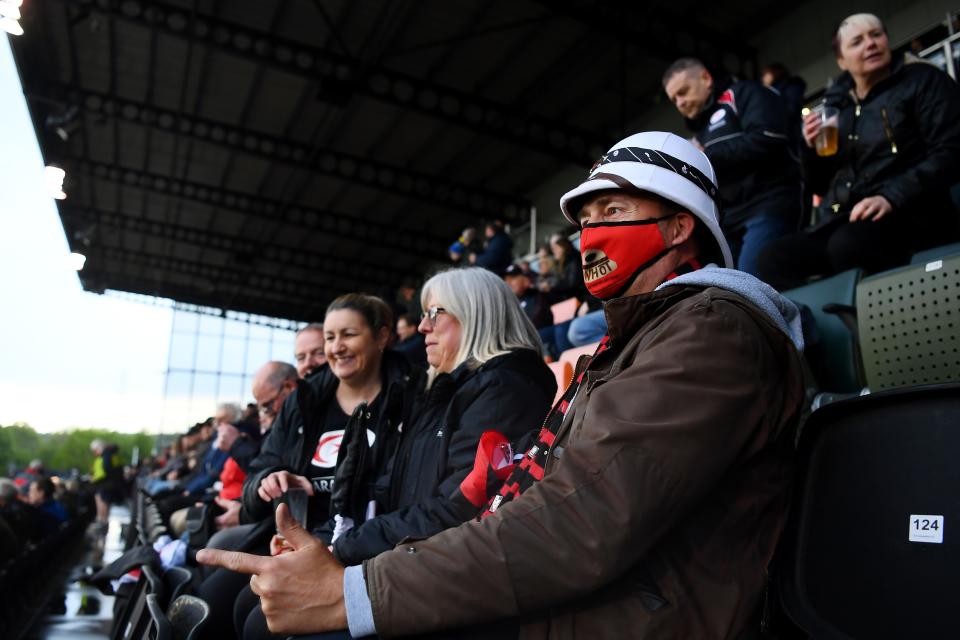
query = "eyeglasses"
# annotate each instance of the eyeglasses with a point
(266, 408)
(430, 315)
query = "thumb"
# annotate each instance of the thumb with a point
(291, 530)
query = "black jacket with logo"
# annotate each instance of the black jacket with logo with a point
(510, 394)
(743, 130)
(292, 441)
(901, 142)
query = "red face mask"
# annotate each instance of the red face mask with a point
(614, 253)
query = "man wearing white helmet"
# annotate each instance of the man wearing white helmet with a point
(652, 498)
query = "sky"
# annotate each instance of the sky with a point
(67, 358)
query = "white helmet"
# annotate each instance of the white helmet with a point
(664, 164)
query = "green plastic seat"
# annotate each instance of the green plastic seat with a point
(909, 323)
(833, 357)
(936, 253)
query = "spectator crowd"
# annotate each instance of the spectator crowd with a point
(411, 473)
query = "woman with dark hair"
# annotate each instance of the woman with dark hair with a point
(364, 391)
(486, 373)
(566, 278)
(886, 187)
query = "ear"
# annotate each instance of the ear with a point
(706, 78)
(840, 64)
(681, 230)
(383, 337)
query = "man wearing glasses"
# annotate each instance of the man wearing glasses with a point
(272, 383)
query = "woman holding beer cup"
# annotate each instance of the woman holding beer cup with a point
(885, 172)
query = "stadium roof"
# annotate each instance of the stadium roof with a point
(266, 156)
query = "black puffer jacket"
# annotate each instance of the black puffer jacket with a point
(901, 142)
(292, 440)
(743, 130)
(510, 394)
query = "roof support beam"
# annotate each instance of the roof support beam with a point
(93, 279)
(463, 198)
(289, 287)
(417, 245)
(249, 249)
(339, 77)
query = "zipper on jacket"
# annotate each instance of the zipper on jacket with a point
(888, 130)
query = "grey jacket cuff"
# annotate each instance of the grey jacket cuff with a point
(357, 602)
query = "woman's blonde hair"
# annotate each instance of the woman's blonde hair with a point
(491, 320)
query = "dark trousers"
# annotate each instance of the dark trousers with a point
(838, 246)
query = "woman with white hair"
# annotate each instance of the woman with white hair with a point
(886, 188)
(486, 373)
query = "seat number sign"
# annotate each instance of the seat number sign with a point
(926, 529)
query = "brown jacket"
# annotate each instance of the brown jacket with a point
(662, 501)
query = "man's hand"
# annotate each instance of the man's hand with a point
(227, 434)
(231, 515)
(277, 483)
(300, 591)
(872, 208)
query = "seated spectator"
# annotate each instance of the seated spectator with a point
(653, 499)
(410, 343)
(107, 478)
(497, 253)
(467, 243)
(41, 496)
(534, 303)
(208, 468)
(742, 127)
(308, 349)
(363, 390)
(886, 189)
(272, 383)
(23, 519)
(33, 471)
(563, 280)
(486, 372)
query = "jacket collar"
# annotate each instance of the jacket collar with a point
(626, 315)
(843, 86)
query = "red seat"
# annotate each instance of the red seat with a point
(565, 310)
(563, 371)
(572, 355)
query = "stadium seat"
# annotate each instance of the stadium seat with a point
(832, 352)
(564, 311)
(909, 320)
(936, 253)
(563, 371)
(182, 621)
(176, 580)
(868, 550)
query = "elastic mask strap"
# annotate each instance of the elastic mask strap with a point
(685, 268)
(640, 269)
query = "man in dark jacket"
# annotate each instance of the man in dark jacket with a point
(651, 502)
(742, 127)
(498, 252)
(534, 303)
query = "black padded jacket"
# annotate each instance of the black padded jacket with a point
(743, 130)
(292, 440)
(901, 142)
(510, 394)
